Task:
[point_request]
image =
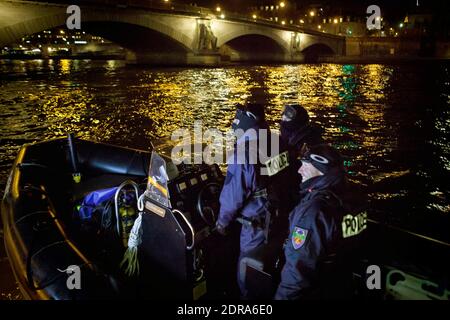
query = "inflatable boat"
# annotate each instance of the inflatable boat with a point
(58, 249)
(46, 240)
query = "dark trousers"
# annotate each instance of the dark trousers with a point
(251, 238)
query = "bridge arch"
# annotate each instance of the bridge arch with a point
(57, 17)
(252, 47)
(167, 30)
(312, 52)
(263, 34)
(135, 38)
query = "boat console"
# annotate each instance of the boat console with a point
(179, 247)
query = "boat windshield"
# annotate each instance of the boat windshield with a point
(159, 174)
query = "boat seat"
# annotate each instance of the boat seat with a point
(104, 181)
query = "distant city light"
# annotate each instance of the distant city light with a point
(254, 16)
(312, 13)
(61, 31)
(222, 16)
(218, 9)
(335, 20)
(80, 42)
(401, 25)
(282, 4)
(302, 21)
(283, 22)
(319, 26)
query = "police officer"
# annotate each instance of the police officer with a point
(246, 191)
(296, 129)
(324, 230)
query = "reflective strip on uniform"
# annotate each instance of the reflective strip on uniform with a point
(277, 163)
(354, 225)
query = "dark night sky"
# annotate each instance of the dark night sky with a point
(393, 11)
(389, 8)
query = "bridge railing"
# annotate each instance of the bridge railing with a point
(183, 8)
(161, 6)
(270, 23)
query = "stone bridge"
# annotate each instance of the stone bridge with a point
(169, 34)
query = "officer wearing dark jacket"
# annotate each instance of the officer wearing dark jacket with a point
(324, 230)
(247, 188)
(296, 129)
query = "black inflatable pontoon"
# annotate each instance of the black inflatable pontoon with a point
(37, 212)
(180, 256)
(43, 238)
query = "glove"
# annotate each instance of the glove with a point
(221, 229)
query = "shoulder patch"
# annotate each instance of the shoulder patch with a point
(298, 237)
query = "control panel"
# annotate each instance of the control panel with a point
(195, 192)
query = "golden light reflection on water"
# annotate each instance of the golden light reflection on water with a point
(64, 65)
(149, 104)
(107, 101)
(375, 81)
(131, 106)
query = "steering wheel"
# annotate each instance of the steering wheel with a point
(208, 203)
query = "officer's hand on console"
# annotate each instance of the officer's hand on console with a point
(221, 229)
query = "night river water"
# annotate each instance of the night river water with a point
(391, 122)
